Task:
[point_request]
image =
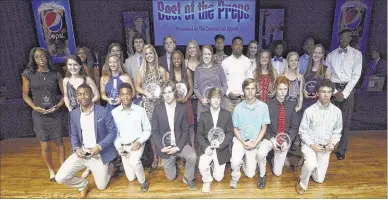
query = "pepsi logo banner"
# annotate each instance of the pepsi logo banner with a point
(354, 15)
(54, 28)
(202, 20)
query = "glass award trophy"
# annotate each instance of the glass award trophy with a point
(247, 132)
(154, 90)
(46, 100)
(181, 90)
(114, 93)
(281, 142)
(309, 87)
(166, 140)
(215, 136)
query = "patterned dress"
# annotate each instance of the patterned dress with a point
(264, 87)
(150, 103)
(293, 90)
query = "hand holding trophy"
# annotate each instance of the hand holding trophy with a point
(281, 142)
(216, 136)
(246, 133)
(153, 91)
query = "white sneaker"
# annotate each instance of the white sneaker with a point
(206, 187)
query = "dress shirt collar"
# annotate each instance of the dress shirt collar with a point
(306, 56)
(278, 102)
(168, 55)
(321, 106)
(347, 49)
(212, 111)
(87, 112)
(122, 109)
(170, 106)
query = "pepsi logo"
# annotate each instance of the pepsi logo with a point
(53, 21)
(352, 18)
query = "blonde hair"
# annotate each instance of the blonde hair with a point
(145, 65)
(197, 54)
(106, 72)
(286, 68)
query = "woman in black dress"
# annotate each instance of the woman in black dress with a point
(42, 80)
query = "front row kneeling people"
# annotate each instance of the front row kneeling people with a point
(94, 135)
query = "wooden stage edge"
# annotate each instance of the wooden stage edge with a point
(363, 174)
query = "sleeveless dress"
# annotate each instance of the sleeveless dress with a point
(264, 84)
(293, 90)
(44, 90)
(110, 90)
(149, 104)
(72, 94)
(310, 78)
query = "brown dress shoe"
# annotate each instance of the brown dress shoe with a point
(299, 188)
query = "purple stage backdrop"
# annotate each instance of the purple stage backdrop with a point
(354, 15)
(202, 20)
(54, 27)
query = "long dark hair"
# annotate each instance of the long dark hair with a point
(78, 61)
(183, 67)
(89, 56)
(258, 73)
(32, 66)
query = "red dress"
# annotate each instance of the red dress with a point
(264, 84)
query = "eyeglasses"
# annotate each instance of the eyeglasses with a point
(39, 56)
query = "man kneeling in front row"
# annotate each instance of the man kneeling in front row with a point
(134, 129)
(92, 132)
(320, 130)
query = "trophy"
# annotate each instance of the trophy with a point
(281, 142)
(114, 93)
(181, 90)
(46, 99)
(166, 140)
(154, 90)
(125, 149)
(215, 136)
(205, 93)
(271, 90)
(309, 87)
(247, 132)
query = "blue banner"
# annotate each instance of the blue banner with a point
(354, 15)
(54, 27)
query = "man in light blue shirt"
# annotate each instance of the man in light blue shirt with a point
(134, 129)
(250, 119)
(308, 48)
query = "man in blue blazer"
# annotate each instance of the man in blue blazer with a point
(92, 133)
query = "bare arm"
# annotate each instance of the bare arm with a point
(138, 84)
(301, 90)
(103, 82)
(190, 81)
(165, 74)
(26, 90)
(60, 81)
(65, 97)
(328, 74)
(127, 79)
(96, 94)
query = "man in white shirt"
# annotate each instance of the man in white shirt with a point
(320, 130)
(236, 67)
(169, 47)
(170, 130)
(92, 132)
(134, 129)
(345, 64)
(278, 62)
(132, 64)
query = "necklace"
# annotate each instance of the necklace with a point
(44, 77)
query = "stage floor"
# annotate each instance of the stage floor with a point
(362, 175)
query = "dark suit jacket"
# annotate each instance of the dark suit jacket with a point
(160, 126)
(291, 118)
(163, 62)
(225, 122)
(105, 130)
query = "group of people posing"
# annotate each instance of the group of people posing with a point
(247, 107)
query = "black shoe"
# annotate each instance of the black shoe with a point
(262, 182)
(190, 183)
(144, 186)
(340, 156)
(53, 179)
